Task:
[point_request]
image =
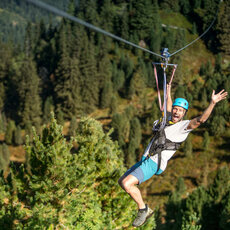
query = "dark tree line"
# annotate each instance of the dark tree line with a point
(204, 208)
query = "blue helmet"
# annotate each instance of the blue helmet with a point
(181, 102)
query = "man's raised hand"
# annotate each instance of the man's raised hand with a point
(219, 96)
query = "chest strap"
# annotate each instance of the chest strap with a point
(160, 143)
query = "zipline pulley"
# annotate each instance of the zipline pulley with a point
(166, 56)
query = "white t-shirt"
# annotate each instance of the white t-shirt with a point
(175, 133)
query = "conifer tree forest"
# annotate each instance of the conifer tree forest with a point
(77, 108)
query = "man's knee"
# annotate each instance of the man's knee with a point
(127, 183)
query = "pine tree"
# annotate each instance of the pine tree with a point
(18, 136)
(223, 30)
(88, 11)
(10, 132)
(28, 42)
(196, 4)
(188, 150)
(185, 6)
(2, 122)
(60, 117)
(106, 14)
(90, 89)
(106, 95)
(130, 112)
(128, 67)
(218, 63)
(2, 93)
(70, 185)
(202, 69)
(6, 62)
(209, 69)
(48, 108)
(137, 84)
(28, 130)
(104, 78)
(194, 28)
(217, 125)
(68, 80)
(156, 31)
(118, 78)
(43, 51)
(180, 186)
(180, 39)
(170, 5)
(28, 91)
(225, 213)
(169, 38)
(211, 84)
(141, 18)
(72, 127)
(191, 222)
(206, 141)
(174, 204)
(124, 26)
(220, 185)
(113, 105)
(121, 126)
(134, 141)
(180, 92)
(155, 112)
(204, 98)
(4, 157)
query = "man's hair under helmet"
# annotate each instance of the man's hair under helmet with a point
(181, 102)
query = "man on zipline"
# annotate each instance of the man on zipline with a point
(161, 149)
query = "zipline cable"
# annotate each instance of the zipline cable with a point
(75, 19)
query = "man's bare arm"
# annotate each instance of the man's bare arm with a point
(196, 122)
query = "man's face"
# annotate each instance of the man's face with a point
(177, 113)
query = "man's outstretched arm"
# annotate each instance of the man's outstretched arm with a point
(196, 122)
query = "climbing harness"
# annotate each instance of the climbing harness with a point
(161, 143)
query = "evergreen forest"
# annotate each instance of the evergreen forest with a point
(77, 109)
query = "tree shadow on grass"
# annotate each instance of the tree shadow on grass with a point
(192, 179)
(226, 145)
(165, 193)
(224, 158)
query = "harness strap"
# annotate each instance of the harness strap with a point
(158, 90)
(173, 72)
(165, 100)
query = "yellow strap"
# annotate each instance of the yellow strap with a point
(160, 120)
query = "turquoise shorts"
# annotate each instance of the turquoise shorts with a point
(144, 170)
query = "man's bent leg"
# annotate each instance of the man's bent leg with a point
(129, 185)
